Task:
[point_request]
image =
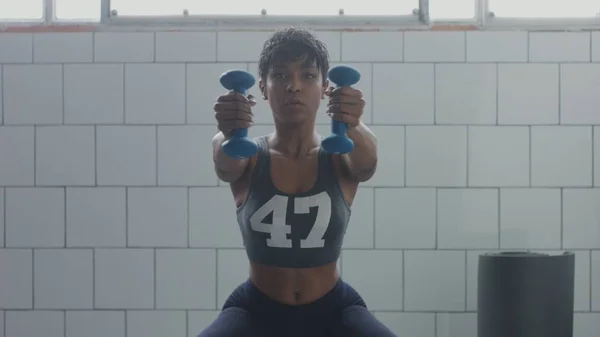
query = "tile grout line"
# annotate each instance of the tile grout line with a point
(591, 290)
(467, 158)
(320, 124)
(254, 61)
(2, 94)
(93, 278)
(499, 219)
(593, 156)
(372, 88)
(436, 216)
(404, 183)
(156, 168)
(124, 94)
(65, 217)
(34, 155)
(342, 48)
(466, 280)
(374, 190)
(32, 48)
(434, 100)
(240, 249)
(166, 186)
(93, 47)
(64, 322)
(154, 46)
(188, 210)
(591, 46)
(4, 215)
(197, 310)
(530, 155)
(95, 155)
(217, 278)
(126, 217)
(403, 306)
(497, 93)
(62, 67)
(528, 47)
(185, 92)
(559, 98)
(33, 279)
(466, 49)
(216, 47)
(561, 192)
(154, 252)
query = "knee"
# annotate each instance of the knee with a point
(355, 309)
(231, 322)
(358, 321)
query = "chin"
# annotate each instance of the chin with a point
(292, 119)
(292, 116)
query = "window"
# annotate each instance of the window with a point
(465, 11)
(88, 10)
(452, 9)
(544, 8)
(253, 7)
(21, 9)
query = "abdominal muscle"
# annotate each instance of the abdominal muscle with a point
(294, 286)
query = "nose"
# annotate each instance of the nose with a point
(294, 85)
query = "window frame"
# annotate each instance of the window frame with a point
(418, 20)
(492, 22)
(265, 21)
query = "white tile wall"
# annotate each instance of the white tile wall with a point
(112, 222)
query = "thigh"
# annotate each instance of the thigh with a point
(231, 322)
(357, 321)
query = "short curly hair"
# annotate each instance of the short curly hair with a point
(292, 44)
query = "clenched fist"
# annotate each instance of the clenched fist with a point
(233, 111)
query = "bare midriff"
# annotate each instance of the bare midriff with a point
(293, 286)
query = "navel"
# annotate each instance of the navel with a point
(296, 295)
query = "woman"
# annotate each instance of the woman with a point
(293, 200)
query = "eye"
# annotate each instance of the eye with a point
(278, 76)
(310, 76)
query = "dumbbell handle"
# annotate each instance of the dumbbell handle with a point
(338, 142)
(239, 145)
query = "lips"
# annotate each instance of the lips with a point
(293, 101)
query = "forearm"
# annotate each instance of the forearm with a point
(227, 169)
(362, 161)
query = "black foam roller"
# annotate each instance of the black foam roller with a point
(522, 294)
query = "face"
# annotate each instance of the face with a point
(294, 91)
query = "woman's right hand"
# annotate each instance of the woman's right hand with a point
(233, 111)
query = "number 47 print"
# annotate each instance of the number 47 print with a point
(279, 230)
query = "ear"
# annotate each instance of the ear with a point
(325, 86)
(261, 87)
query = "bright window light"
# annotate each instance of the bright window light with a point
(544, 8)
(253, 7)
(21, 9)
(452, 9)
(88, 10)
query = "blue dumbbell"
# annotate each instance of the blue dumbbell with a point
(338, 142)
(240, 145)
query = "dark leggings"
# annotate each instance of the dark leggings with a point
(250, 313)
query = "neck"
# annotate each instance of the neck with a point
(295, 140)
